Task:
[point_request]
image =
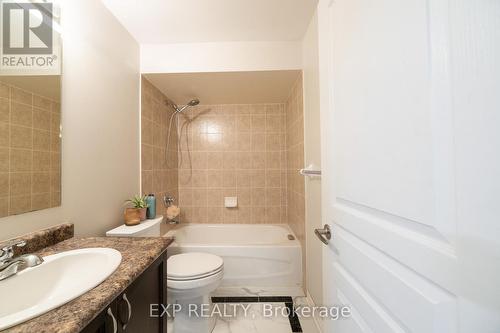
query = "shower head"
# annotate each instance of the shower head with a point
(191, 103)
(194, 102)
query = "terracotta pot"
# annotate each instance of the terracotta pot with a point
(143, 212)
(132, 216)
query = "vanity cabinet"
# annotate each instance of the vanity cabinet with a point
(130, 311)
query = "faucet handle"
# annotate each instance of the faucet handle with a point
(7, 251)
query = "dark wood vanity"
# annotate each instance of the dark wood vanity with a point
(130, 311)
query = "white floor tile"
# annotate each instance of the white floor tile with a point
(254, 322)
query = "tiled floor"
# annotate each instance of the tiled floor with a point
(254, 322)
(255, 316)
(254, 319)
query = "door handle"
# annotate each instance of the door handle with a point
(324, 234)
(129, 314)
(115, 326)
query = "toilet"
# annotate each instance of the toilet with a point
(191, 278)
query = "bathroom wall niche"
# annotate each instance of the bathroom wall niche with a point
(30, 143)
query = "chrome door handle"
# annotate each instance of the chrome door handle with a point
(124, 297)
(324, 234)
(115, 326)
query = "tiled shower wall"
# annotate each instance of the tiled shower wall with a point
(295, 160)
(30, 151)
(159, 166)
(234, 150)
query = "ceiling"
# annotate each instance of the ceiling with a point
(226, 87)
(195, 21)
(43, 85)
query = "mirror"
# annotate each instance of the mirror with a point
(30, 143)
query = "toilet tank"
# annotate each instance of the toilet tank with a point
(147, 228)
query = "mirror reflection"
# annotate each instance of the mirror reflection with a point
(30, 143)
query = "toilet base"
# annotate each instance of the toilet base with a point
(191, 318)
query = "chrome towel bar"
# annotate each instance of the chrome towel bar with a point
(310, 171)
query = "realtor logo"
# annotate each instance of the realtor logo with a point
(27, 28)
(30, 44)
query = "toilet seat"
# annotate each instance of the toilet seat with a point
(193, 266)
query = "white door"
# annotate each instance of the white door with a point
(410, 94)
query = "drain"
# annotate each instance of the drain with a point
(291, 237)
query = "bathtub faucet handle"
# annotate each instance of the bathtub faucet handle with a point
(168, 200)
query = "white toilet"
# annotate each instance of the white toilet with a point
(191, 277)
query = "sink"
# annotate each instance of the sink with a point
(61, 278)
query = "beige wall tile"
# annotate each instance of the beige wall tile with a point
(40, 201)
(214, 215)
(4, 159)
(294, 160)
(214, 178)
(41, 161)
(4, 90)
(55, 142)
(41, 183)
(41, 140)
(4, 206)
(215, 197)
(55, 199)
(21, 96)
(20, 183)
(19, 204)
(4, 135)
(21, 160)
(42, 102)
(29, 130)
(21, 137)
(146, 157)
(4, 184)
(21, 114)
(55, 182)
(258, 123)
(248, 164)
(215, 160)
(230, 215)
(42, 119)
(160, 168)
(229, 178)
(55, 122)
(55, 162)
(4, 110)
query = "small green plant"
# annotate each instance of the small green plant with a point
(137, 202)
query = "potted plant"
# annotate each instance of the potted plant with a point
(137, 213)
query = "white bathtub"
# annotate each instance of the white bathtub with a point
(258, 259)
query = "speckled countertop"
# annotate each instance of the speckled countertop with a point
(137, 255)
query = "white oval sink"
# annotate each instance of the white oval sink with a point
(61, 278)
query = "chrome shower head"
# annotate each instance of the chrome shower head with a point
(194, 102)
(191, 103)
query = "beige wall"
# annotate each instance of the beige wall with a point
(100, 119)
(30, 151)
(295, 161)
(159, 167)
(312, 150)
(236, 150)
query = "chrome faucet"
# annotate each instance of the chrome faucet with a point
(10, 265)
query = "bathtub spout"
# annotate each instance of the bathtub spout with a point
(173, 221)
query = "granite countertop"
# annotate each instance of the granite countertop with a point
(137, 255)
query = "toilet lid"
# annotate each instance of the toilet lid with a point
(193, 265)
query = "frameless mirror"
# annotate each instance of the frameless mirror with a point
(30, 143)
(30, 106)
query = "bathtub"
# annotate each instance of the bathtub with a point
(258, 259)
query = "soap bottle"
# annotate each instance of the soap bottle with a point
(151, 201)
